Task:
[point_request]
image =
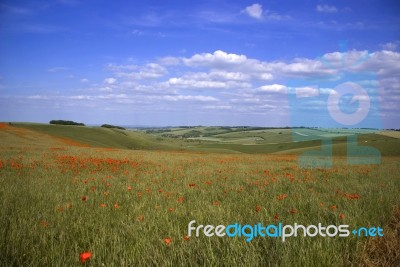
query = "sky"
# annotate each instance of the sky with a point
(228, 63)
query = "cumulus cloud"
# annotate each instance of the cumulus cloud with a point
(217, 59)
(273, 88)
(326, 9)
(254, 11)
(204, 84)
(306, 91)
(109, 80)
(220, 80)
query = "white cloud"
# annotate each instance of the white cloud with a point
(146, 72)
(326, 9)
(254, 11)
(229, 62)
(273, 88)
(200, 98)
(84, 80)
(217, 59)
(218, 107)
(391, 46)
(204, 84)
(109, 81)
(235, 82)
(218, 75)
(306, 91)
(169, 61)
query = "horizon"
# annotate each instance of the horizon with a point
(255, 63)
(207, 126)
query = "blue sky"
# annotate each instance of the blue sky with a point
(265, 63)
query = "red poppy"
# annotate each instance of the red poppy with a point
(102, 205)
(43, 223)
(293, 211)
(341, 216)
(84, 198)
(216, 203)
(258, 208)
(281, 197)
(116, 205)
(167, 241)
(186, 238)
(85, 256)
(181, 200)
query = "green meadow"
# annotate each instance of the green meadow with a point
(127, 196)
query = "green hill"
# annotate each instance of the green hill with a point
(103, 137)
(222, 140)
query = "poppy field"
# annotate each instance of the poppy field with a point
(64, 203)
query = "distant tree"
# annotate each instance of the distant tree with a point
(63, 122)
(112, 126)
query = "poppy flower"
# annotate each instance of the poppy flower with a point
(43, 223)
(341, 216)
(85, 256)
(167, 241)
(140, 218)
(258, 208)
(276, 217)
(281, 197)
(116, 205)
(216, 203)
(171, 209)
(84, 198)
(293, 211)
(129, 188)
(103, 205)
(186, 238)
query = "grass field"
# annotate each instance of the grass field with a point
(127, 197)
